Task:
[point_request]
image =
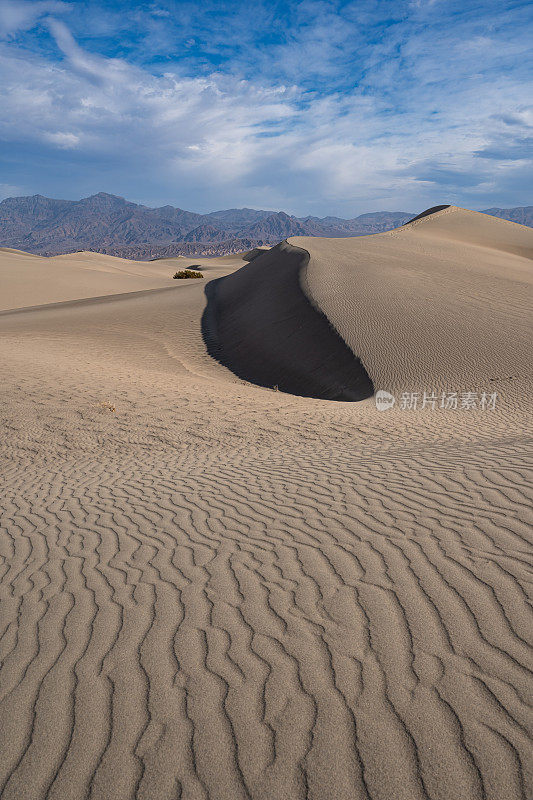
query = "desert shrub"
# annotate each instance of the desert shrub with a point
(107, 406)
(188, 273)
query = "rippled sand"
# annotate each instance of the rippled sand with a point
(216, 590)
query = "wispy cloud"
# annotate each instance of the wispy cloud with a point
(17, 15)
(62, 139)
(9, 190)
(317, 106)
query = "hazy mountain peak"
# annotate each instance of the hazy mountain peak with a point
(112, 224)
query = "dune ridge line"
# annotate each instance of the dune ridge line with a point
(260, 324)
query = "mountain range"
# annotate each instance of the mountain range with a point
(109, 224)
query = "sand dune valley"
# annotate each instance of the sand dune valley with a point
(225, 573)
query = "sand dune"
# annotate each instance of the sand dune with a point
(215, 590)
(441, 303)
(29, 280)
(260, 324)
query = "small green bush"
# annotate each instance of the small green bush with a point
(188, 273)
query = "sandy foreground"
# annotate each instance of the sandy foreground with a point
(212, 589)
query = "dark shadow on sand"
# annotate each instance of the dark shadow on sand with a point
(426, 213)
(259, 324)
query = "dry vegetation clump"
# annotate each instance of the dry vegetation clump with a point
(104, 405)
(188, 273)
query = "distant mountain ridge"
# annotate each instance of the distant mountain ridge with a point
(110, 224)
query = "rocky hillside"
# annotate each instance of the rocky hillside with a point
(111, 224)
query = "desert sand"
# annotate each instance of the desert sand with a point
(27, 280)
(214, 589)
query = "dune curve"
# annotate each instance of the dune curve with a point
(210, 591)
(259, 323)
(442, 303)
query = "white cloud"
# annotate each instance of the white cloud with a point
(21, 15)
(64, 140)
(407, 133)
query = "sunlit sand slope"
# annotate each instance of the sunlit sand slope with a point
(215, 591)
(441, 303)
(29, 280)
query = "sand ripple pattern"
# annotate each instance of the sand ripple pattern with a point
(215, 591)
(306, 625)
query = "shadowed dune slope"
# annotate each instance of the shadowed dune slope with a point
(260, 324)
(426, 213)
(256, 251)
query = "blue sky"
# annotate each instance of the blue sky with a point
(316, 107)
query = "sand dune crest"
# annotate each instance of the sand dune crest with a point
(260, 324)
(213, 591)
